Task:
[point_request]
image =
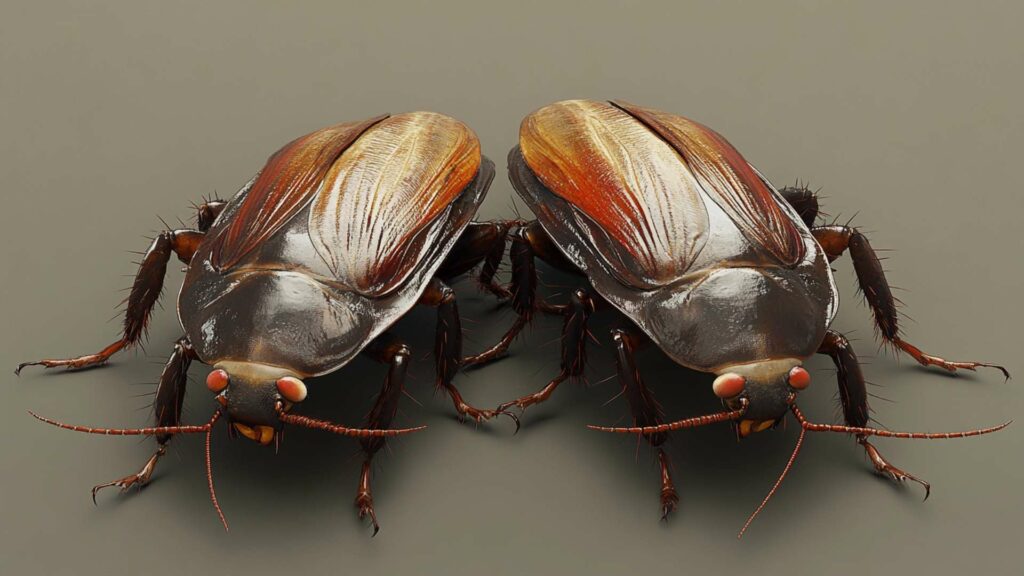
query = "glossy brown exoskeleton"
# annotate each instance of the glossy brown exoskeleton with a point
(341, 233)
(669, 225)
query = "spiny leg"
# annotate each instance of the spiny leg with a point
(448, 346)
(388, 350)
(483, 244)
(523, 294)
(170, 393)
(528, 242)
(837, 239)
(854, 397)
(646, 411)
(574, 339)
(143, 296)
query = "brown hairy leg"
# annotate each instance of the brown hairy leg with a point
(574, 352)
(645, 409)
(854, 398)
(146, 288)
(448, 347)
(483, 244)
(388, 350)
(803, 200)
(837, 239)
(170, 393)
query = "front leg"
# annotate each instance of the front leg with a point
(854, 398)
(448, 346)
(170, 393)
(396, 354)
(837, 239)
(645, 409)
(145, 291)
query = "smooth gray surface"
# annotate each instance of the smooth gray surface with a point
(113, 113)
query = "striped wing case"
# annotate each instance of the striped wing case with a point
(283, 188)
(729, 180)
(383, 204)
(633, 199)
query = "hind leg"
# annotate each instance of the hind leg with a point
(837, 239)
(483, 244)
(574, 338)
(529, 241)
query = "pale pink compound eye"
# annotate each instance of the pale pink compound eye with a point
(217, 380)
(799, 378)
(292, 389)
(728, 385)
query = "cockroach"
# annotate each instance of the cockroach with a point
(669, 225)
(340, 234)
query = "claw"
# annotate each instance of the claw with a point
(514, 418)
(898, 475)
(365, 503)
(140, 479)
(124, 484)
(481, 416)
(669, 502)
(883, 467)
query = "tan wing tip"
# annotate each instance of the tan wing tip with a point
(465, 136)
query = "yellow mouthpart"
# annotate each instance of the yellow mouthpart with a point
(261, 434)
(748, 427)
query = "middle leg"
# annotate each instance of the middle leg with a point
(146, 289)
(574, 352)
(448, 347)
(481, 244)
(837, 239)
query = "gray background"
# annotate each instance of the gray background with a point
(113, 113)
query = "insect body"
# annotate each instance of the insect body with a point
(673, 228)
(342, 232)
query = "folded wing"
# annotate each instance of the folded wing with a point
(635, 201)
(383, 204)
(283, 188)
(727, 177)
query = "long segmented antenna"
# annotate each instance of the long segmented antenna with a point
(333, 428)
(806, 426)
(813, 427)
(157, 430)
(681, 424)
(209, 472)
(792, 459)
(205, 428)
